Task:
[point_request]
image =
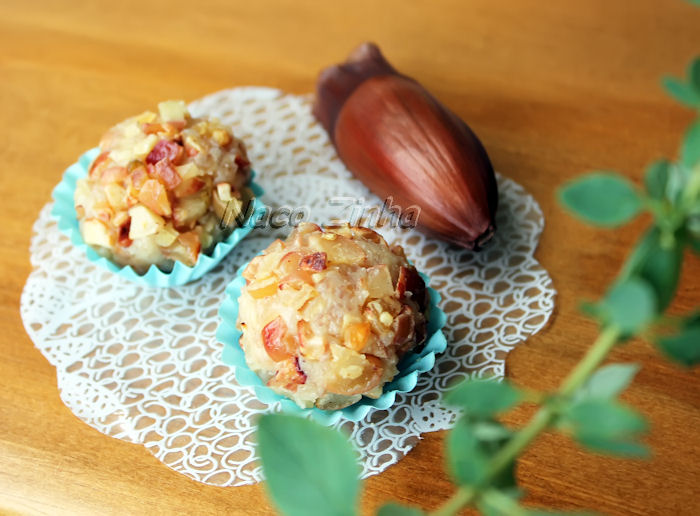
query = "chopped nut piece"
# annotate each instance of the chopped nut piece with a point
(386, 319)
(221, 137)
(224, 191)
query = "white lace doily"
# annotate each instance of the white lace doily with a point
(142, 364)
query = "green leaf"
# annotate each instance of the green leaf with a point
(658, 263)
(310, 469)
(690, 149)
(499, 503)
(630, 305)
(605, 425)
(694, 73)
(614, 447)
(482, 398)
(607, 382)
(603, 199)
(684, 347)
(682, 92)
(466, 461)
(491, 431)
(470, 445)
(394, 509)
(656, 179)
(678, 177)
(604, 418)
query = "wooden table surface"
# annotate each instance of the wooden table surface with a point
(552, 88)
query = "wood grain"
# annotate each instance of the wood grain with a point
(552, 88)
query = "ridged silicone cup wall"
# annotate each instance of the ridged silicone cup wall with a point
(410, 366)
(64, 213)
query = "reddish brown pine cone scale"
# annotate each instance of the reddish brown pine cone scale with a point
(402, 143)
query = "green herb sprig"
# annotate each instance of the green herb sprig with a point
(312, 470)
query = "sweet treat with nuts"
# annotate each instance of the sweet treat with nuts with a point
(165, 187)
(326, 315)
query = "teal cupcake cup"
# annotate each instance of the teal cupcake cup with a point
(410, 366)
(63, 212)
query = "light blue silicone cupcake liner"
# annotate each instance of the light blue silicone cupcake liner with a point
(410, 366)
(64, 213)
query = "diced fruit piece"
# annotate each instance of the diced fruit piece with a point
(135, 181)
(289, 263)
(166, 150)
(188, 210)
(313, 262)
(311, 346)
(340, 250)
(404, 328)
(189, 187)
(227, 211)
(369, 234)
(166, 236)
(356, 335)
(192, 146)
(379, 281)
(353, 373)
(146, 117)
(113, 175)
(120, 218)
(297, 279)
(116, 196)
(410, 281)
(82, 192)
(278, 344)
(95, 232)
(172, 110)
(169, 129)
(144, 222)
(189, 170)
(307, 227)
(97, 165)
(154, 196)
(289, 375)
(191, 246)
(265, 288)
(124, 154)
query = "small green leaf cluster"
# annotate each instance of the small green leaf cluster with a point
(649, 278)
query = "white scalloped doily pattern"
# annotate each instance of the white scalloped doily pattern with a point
(142, 364)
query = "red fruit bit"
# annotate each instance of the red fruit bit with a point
(313, 262)
(124, 239)
(192, 244)
(302, 374)
(98, 161)
(289, 375)
(273, 337)
(166, 150)
(167, 174)
(410, 281)
(241, 162)
(166, 127)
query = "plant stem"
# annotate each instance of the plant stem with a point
(540, 421)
